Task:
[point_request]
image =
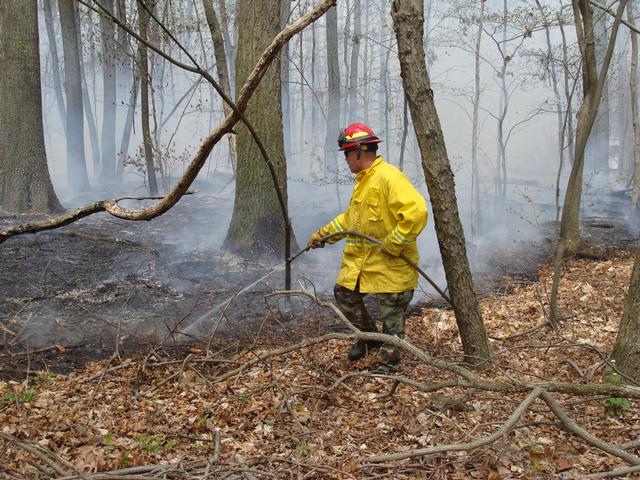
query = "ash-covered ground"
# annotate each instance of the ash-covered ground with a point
(103, 285)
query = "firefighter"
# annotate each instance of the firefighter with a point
(386, 206)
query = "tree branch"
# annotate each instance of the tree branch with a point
(245, 94)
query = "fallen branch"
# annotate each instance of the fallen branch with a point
(192, 170)
(586, 436)
(465, 447)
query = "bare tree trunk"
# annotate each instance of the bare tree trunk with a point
(593, 84)
(25, 185)
(561, 118)
(128, 125)
(77, 177)
(405, 131)
(285, 12)
(229, 45)
(635, 118)
(501, 163)
(475, 135)
(257, 224)
(596, 160)
(86, 99)
(355, 53)
(315, 122)
(626, 350)
(108, 137)
(221, 68)
(300, 124)
(143, 23)
(408, 19)
(593, 87)
(55, 61)
(333, 95)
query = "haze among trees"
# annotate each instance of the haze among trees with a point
(503, 114)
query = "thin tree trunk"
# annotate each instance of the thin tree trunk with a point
(285, 12)
(91, 119)
(221, 68)
(355, 53)
(300, 127)
(77, 178)
(408, 20)
(128, 126)
(635, 119)
(475, 135)
(501, 163)
(55, 61)
(143, 23)
(333, 97)
(554, 83)
(108, 137)
(405, 131)
(229, 45)
(593, 84)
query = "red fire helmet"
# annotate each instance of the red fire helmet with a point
(355, 135)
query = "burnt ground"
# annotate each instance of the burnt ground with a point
(74, 294)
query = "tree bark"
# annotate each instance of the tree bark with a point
(257, 225)
(635, 115)
(77, 178)
(475, 135)
(108, 138)
(592, 86)
(626, 350)
(221, 68)
(408, 18)
(353, 69)
(285, 12)
(55, 61)
(25, 185)
(333, 92)
(143, 23)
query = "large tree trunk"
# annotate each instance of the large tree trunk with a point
(109, 56)
(25, 185)
(77, 178)
(257, 225)
(626, 351)
(143, 23)
(407, 22)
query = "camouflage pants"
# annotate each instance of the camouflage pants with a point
(392, 309)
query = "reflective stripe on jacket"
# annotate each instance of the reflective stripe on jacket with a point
(386, 206)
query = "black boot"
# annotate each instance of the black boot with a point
(360, 349)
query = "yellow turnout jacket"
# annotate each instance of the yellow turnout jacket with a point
(383, 205)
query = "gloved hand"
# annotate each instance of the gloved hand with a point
(315, 241)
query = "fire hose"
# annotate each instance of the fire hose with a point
(377, 242)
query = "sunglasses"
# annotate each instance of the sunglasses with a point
(347, 152)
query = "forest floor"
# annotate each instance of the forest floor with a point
(234, 410)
